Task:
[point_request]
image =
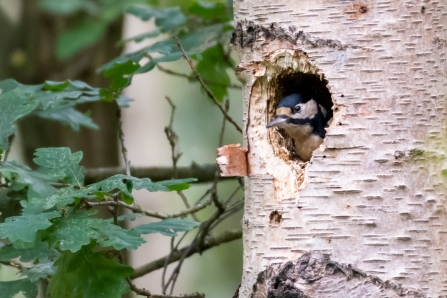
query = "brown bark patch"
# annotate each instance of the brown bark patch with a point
(356, 10)
(232, 160)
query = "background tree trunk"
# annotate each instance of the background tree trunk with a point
(366, 216)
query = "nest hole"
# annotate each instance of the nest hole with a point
(290, 82)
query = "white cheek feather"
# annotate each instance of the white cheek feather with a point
(308, 110)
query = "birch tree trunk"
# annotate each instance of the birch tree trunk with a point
(366, 216)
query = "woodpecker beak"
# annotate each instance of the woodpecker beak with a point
(278, 121)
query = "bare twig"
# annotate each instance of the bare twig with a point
(209, 243)
(175, 153)
(165, 268)
(203, 173)
(193, 295)
(228, 212)
(121, 138)
(174, 73)
(205, 227)
(172, 138)
(207, 90)
(138, 209)
(134, 288)
(144, 292)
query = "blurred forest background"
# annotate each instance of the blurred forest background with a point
(69, 39)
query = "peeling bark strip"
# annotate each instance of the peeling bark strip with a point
(373, 195)
(285, 280)
(232, 160)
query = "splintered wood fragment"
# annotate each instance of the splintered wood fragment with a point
(232, 160)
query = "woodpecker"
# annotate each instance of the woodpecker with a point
(304, 120)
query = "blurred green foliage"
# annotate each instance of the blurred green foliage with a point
(56, 231)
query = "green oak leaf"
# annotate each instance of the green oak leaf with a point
(50, 100)
(25, 227)
(56, 86)
(120, 182)
(134, 57)
(77, 229)
(10, 289)
(168, 227)
(210, 11)
(121, 74)
(14, 105)
(141, 37)
(62, 164)
(213, 67)
(38, 271)
(113, 235)
(166, 19)
(177, 184)
(41, 252)
(88, 274)
(73, 230)
(65, 196)
(38, 187)
(169, 19)
(126, 183)
(8, 85)
(193, 43)
(71, 117)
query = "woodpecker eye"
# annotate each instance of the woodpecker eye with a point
(297, 108)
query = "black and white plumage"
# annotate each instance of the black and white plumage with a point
(304, 120)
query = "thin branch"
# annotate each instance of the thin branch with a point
(138, 209)
(178, 74)
(134, 288)
(210, 243)
(172, 138)
(165, 268)
(121, 138)
(205, 227)
(203, 173)
(230, 211)
(193, 295)
(175, 152)
(207, 90)
(144, 292)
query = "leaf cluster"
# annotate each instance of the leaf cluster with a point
(58, 232)
(50, 100)
(203, 28)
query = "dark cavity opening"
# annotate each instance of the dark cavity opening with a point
(287, 83)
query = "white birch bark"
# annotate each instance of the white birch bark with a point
(366, 217)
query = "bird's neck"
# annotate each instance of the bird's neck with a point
(299, 132)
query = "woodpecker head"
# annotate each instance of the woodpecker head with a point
(304, 120)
